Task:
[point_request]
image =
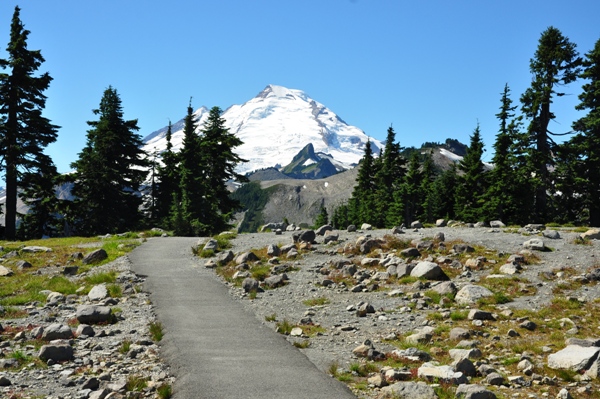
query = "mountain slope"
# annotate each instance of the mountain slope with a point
(276, 125)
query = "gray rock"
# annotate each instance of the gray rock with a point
(439, 237)
(224, 257)
(591, 234)
(535, 244)
(246, 257)
(409, 390)
(430, 371)
(366, 226)
(323, 229)
(463, 248)
(250, 285)
(465, 366)
(95, 256)
(5, 272)
(551, 234)
(5, 382)
(494, 379)
(93, 314)
(275, 281)
(573, 357)
(351, 228)
(459, 333)
(476, 314)
(273, 250)
(419, 338)
(211, 245)
(54, 298)
(416, 225)
(98, 292)
(57, 331)
(307, 236)
(528, 325)
(369, 245)
(23, 264)
(34, 249)
(564, 394)
(470, 294)
(510, 268)
(457, 354)
(497, 224)
(404, 269)
(56, 352)
(474, 391)
(440, 223)
(445, 288)
(410, 252)
(85, 329)
(331, 236)
(429, 271)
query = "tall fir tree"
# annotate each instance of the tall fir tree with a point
(389, 179)
(556, 63)
(471, 182)
(167, 176)
(428, 177)
(217, 142)
(410, 193)
(109, 172)
(362, 203)
(24, 132)
(587, 141)
(509, 196)
(190, 210)
(441, 196)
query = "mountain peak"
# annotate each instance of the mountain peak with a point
(277, 124)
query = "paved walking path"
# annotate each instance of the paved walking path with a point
(218, 349)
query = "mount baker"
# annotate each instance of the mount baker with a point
(275, 126)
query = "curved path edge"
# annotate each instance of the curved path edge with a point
(218, 349)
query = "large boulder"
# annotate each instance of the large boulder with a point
(535, 244)
(94, 314)
(98, 292)
(471, 293)
(323, 229)
(57, 331)
(474, 391)
(57, 352)
(409, 390)
(591, 234)
(573, 357)
(307, 236)
(95, 256)
(429, 271)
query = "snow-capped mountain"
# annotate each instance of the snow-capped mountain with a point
(276, 125)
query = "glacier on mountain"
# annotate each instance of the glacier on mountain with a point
(274, 126)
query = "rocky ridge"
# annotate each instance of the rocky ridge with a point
(476, 312)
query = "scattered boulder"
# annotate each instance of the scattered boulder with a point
(535, 244)
(591, 234)
(95, 256)
(474, 391)
(431, 371)
(246, 257)
(323, 229)
(416, 225)
(470, 294)
(429, 271)
(273, 250)
(463, 248)
(306, 236)
(250, 285)
(410, 252)
(409, 390)
(5, 272)
(211, 245)
(93, 314)
(440, 223)
(57, 352)
(366, 226)
(573, 357)
(98, 292)
(497, 224)
(34, 249)
(57, 331)
(351, 228)
(551, 234)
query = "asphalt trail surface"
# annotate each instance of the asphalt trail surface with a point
(218, 349)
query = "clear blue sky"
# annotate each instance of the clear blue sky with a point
(433, 69)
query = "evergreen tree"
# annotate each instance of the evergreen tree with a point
(442, 193)
(389, 179)
(410, 193)
(217, 142)
(340, 219)
(167, 177)
(190, 216)
(587, 142)
(471, 183)
(509, 196)
(556, 63)
(362, 203)
(24, 132)
(322, 218)
(109, 172)
(39, 195)
(428, 176)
